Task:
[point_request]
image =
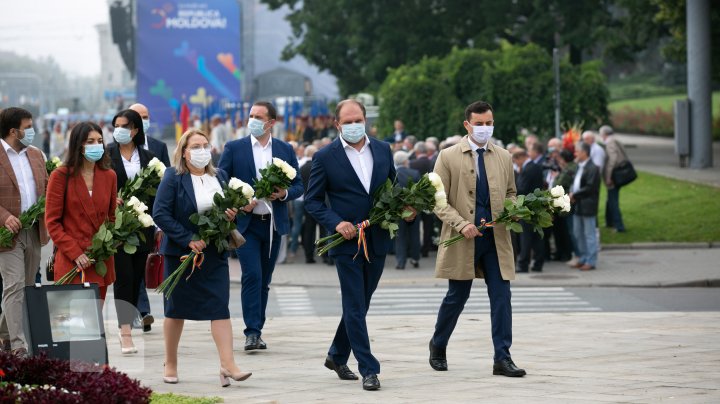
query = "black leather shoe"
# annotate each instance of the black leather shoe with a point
(371, 382)
(506, 367)
(415, 264)
(261, 343)
(343, 371)
(400, 267)
(438, 360)
(252, 343)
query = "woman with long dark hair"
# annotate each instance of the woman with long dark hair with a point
(81, 195)
(128, 158)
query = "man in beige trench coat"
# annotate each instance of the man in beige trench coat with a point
(478, 176)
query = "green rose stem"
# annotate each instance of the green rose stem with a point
(169, 284)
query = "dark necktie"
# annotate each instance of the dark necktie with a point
(483, 191)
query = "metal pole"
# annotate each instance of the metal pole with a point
(556, 67)
(698, 83)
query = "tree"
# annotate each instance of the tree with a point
(359, 40)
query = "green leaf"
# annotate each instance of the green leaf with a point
(129, 248)
(100, 268)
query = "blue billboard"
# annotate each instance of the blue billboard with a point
(187, 58)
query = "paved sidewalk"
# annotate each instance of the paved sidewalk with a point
(650, 267)
(570, 357)
(657, 155)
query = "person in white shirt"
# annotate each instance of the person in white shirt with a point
(597, 153)
(23, 181)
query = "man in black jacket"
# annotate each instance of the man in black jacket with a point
(584, 196)
(407, 242)
(529, 178)
(424, 165)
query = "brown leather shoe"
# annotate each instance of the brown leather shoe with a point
(587, 267)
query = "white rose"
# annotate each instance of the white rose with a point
(146, 220)
(235, 183)
(134, 201)
(566, 203)
(290, 172)
(557, 191)
(154, 162)
(435, 180)
(160, 170)
(248, 191)
(285, 167)
(440, 203)
(140, 208)
(558, 202)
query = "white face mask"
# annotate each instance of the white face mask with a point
(200, 158)
(481, 134)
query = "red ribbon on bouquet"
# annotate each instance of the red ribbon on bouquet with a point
(362, 242)
(198, 258)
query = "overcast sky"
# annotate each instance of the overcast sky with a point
(63, 29)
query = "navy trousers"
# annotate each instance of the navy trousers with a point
(257, 261)
(498, 292)
(358, 281)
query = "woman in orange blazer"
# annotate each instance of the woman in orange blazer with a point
(78, 204)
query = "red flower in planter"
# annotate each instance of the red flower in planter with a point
(2, 373)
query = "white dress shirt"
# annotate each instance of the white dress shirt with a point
(205, 187)
(361, 161)
(262, 156)
(597, 155)
(578, 175)
(23, 172)
(475, 148)
(132, 167)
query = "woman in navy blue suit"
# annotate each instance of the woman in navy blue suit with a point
(188, 188)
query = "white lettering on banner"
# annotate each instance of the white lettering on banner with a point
(193, 18)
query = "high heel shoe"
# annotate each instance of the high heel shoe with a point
(169, 379)
(128, 350)
(225, 376)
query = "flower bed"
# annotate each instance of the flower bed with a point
(40, 379)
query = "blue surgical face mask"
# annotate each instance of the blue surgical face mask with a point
(256, 127)
(94, 152)
(29, 136)
(352, 132)
(146, 125)
(122, 135)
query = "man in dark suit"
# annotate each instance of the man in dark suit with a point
(424, 165)
(309, 225)
(407, 240)
(584, 196)
(266, 220)
(160, 150)
(529, 178)
(158, 147)
(348, 172)
(398, 134)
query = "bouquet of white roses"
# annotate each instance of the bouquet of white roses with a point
(279, 174)
(535, 209)
(144, 185)
(130, 219)
(52, 164)
(390, 206)
(213, 227)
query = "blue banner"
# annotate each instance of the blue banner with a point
(187, 52)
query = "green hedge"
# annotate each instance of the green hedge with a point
(518, 81)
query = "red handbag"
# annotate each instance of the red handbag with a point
(154, 267)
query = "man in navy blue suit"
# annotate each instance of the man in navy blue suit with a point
(266, 220)
(348, 172)
(160, 150)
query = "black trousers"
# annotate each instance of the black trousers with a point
(428, 231)
(308, 237)
(129, 272)
(531, 246)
